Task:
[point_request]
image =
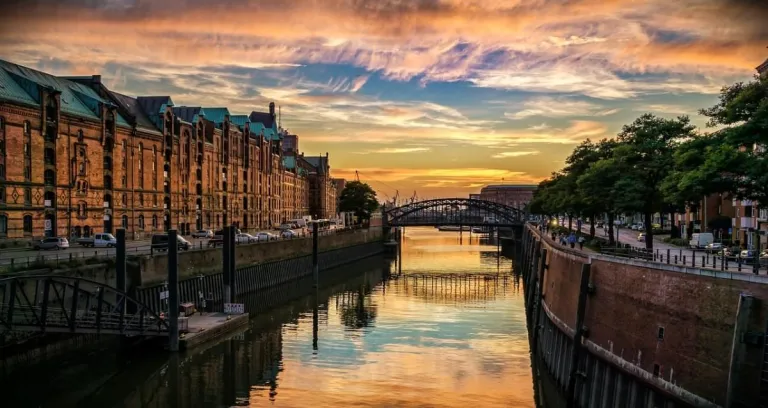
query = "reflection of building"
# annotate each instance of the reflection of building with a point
(78, 158)
(516, 196)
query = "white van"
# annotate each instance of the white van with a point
(701, 240)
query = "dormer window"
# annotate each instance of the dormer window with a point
(52, 111)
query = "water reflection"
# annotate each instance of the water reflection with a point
(449, 331)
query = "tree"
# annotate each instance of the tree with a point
(741, 160)
(359, 198)
(596, 185)
(645, 156)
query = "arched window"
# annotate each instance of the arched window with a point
(80, 136)
(49, 177)
(3, 224)
(82, 210)
(124, 199)
(27, 224)
(141, 221)
(124, 221)
(154, 221)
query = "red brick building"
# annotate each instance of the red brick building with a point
(513, 195)
(78, 158)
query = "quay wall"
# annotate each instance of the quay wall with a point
(687, 335)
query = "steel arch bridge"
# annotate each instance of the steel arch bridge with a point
(60, 304)
(454, 212)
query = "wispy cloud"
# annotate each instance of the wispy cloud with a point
(506, 155)
(396, 150)
(559, 108)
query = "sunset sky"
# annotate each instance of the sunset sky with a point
(437, 96)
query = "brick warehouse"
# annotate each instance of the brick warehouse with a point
(77, 158)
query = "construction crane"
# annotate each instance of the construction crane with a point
(357, 176)
(414, 198)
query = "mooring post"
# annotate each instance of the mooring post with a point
(315, 266)
(120, 268)
(225, 267)
(173, 291)
(738, 348)
(232, 264)
(577, 346)
(315, 321)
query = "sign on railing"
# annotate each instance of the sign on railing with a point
(234, 308)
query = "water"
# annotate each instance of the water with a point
(448, 331)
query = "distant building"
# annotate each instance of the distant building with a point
(322, 189)
(513, 195)
(762, 69)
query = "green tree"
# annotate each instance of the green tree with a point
(358, 198)
(596, 185)
(741, 160)
(644, 156)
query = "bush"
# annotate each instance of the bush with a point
(681, 242)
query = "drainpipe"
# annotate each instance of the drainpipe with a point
(69, 182)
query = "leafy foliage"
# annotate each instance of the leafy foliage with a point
(359, 198)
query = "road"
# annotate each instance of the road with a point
(28, 255)
(628, 236)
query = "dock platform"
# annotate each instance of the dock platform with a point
(210, 326)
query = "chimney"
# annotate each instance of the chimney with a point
(96, 79)
(272, 109)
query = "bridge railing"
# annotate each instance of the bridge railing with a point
(76, 305)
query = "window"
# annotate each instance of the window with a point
(141, 221)
(124, 199)
(2, 171)
(80, 136)
(124, 181)
(660, 334)
(141, 199)
(154, 200)
(154, 221)
(82, 210)
(28, 196)
(27, 224)
(2, 194)
(3, 224)
(125, 222)
(27, 128)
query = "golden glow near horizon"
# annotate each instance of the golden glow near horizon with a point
(437, 96)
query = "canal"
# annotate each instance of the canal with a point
(446, 328)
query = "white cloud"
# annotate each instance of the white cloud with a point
(506, 155)
(396, 150)
(559, 107)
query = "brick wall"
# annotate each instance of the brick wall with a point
(633, 299)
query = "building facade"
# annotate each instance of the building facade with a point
(78, 158)
(322, 188)
(513, 195)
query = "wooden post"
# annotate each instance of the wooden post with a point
(173, 291)
(577, 337)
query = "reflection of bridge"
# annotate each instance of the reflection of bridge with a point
(455, 287)
(72, 305)
(454, 211)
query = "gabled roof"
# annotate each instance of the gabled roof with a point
(239, 120)
(763, 68)
(131, 105)
(216, 115)
(189, 114)
(289, 162)
(154, 107)
(318, 162)
(264, 118)
(22, 84)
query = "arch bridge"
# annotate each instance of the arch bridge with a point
(59, 304)
(454, 212)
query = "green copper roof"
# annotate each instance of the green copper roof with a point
(10, 90)
(216, 115)
(270, 134)
(239, 120)
(289, 162)
(28, 79)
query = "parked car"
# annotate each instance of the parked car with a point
(202, 234)
(641, 237)
(98, 241)
(714, 247)
(266, 236)
(244, 238)
(160, 242)
(287, 226)
(51, 243)
(288, 234)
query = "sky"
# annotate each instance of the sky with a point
(436, 97)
